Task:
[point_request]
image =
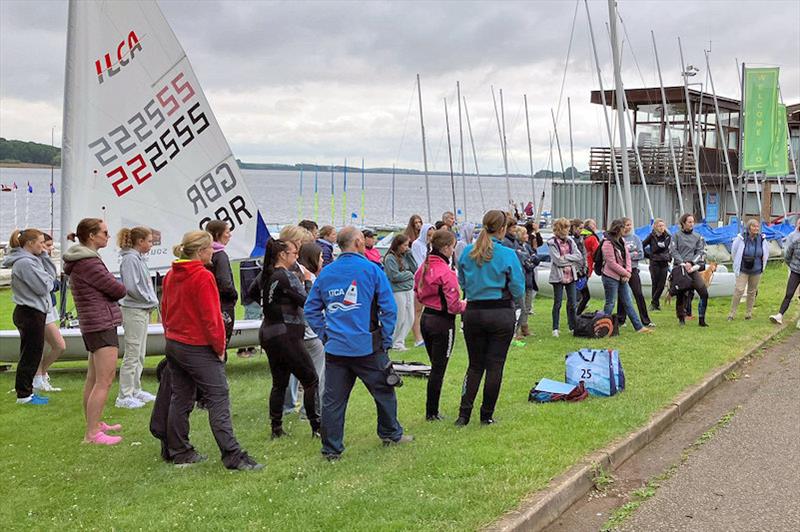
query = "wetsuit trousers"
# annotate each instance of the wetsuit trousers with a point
(583, 299)
(658, 278)
(287, 355)
(30, 323)
(488, 333)
(439, 332)
(700, 287)
(791, 288)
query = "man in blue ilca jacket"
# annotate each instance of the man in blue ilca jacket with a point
(352, 310)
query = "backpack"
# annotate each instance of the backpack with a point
(598, 258)
(679, 280)
(595, 325)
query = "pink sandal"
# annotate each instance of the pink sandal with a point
(101, 438)
(104, 427)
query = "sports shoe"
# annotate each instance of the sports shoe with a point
(461, 422)
(195, 458)
(651, 325)
(33, 400)
(399, 348)
(145, 397)
(421, 343)
(405, 438)
(101, 438)
(105, 427)
(48, 385)
(777, 318)
(332, 457)
(555, 333)
(434, 417)
(278, 432)
(247, 464)
(489, 421)
(128, 402)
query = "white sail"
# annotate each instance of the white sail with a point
(141, 145)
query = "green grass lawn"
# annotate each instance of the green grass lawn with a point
(448, 478)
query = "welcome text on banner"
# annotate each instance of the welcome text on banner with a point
(761, 99)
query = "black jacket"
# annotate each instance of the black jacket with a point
(656, 248)
(221, 268)
(282, 298)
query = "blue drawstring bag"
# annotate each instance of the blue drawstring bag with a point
(599, 369)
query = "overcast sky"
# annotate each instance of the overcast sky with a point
(321, 81)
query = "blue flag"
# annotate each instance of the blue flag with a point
(52, 188)
(30, 188)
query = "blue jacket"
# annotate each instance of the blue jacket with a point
(340, 307)
(327, 251)
(489, 281)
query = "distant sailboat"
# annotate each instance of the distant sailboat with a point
(141, 146)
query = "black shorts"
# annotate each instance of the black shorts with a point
(99, 339)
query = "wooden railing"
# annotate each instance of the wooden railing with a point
(657, 163)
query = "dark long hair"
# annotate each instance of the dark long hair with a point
(275, 247)
(309, 256)
(398, 241)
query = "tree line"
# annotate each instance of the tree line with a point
(29, 152)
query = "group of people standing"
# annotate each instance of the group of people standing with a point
(326, 322)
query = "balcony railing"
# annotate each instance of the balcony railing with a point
(657, 164)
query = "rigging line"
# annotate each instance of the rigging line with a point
(566, 63)
(405, 126)
(630, 48)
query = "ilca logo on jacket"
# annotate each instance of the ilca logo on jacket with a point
(350, 301)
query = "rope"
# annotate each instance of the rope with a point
(566, 63)
(405, 125)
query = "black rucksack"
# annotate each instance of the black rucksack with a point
(595, 325)
(598, 258)
(679, 280)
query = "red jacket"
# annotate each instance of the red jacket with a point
(190, 307)
(94, 290)
(434, 274)
(590, 242)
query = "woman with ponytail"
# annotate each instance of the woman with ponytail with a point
(30, 292)
(137, 305)
(491, 277)
(436, 288)
(220, 266)
(52, 333)
(282, 296)
(195, 334)
(95, 292)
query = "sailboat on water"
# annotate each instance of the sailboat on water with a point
(141, 146)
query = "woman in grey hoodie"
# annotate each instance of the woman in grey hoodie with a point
(688, 252)
(52, 332)
(137, 305)
(30, 291)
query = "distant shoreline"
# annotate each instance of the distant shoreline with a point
(9, 164)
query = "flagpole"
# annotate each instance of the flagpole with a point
(363, 221)
(344, 195)
(393, 169)
(300, 198)
(52, 188)
(333, 200)
(316, 194)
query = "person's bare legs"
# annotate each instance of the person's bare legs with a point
(417, 317)
(53, 338)
(105, 366)
(89, 385)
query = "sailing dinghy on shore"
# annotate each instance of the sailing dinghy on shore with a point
(141, 146)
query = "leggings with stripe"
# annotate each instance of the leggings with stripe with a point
(438, 331)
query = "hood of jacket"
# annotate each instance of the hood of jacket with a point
(422, 239)
(216, 246)
(129, 251)
(17, 255)
(78, 252)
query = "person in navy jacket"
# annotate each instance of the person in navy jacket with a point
(352, 310)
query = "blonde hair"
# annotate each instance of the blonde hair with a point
(561, 227)
(129, 237)
(522, 233)
(295, 232)
(193, 242)
(493, 223)
(19, 237)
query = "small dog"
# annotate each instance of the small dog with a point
(707, 275)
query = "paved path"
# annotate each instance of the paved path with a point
(747, 477)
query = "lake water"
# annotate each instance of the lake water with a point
(279, 198)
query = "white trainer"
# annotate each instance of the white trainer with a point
(38, 382)
(128, 402)
(145, 397)
(777, 318)
(48, 386)
(555, 333)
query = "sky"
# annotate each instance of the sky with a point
(318, 82)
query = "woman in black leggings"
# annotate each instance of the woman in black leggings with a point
(792, 256)
(436, 288)
(281, 335)
(491, 276)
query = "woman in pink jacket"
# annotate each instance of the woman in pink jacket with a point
(617, 272)
(436, 288)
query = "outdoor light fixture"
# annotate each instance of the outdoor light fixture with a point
(691, 70)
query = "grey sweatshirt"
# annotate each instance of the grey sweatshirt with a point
(688, 247)
(792, 251)
(136, 278)
(401, 280)
(634, 246)
(30, 282)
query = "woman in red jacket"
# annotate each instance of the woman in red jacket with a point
(195, 334)
(436, 288)
(95, 292)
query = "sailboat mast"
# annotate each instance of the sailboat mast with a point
(505, 148)
(690, 114)
(626, 173)
(572, 160)
(450, 155)
(614, 169)
(71, 123)
(424, 150)
(461, 150)
(530, 147)
(502, 148)
(474, 154)
(724, 139)
(668, 126)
